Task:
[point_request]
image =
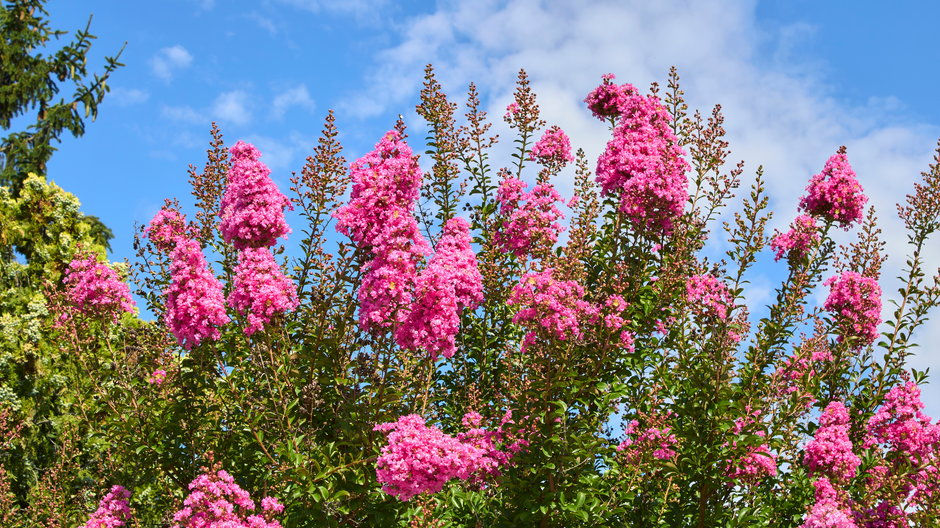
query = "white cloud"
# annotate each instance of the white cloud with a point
(128, 96)
(297, 96)
(232, 107)
(166, 62)
(362, 10)
(779, 113)
(263, 22)
(184, 114)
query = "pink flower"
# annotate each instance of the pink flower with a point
(166, 227)
(216, 501)
(195, 304)
(555, 306)
(95, 289)
(903, 428)
(157, 378)
(449, 284)
(796, 242)
(379, 218)
(829, 510)
(609, 99)
(421, 459)
(252, 207)
(112, 511)
(835, 194)
(708, 296)
(656, 440)
(855, 301)
(643, 165)
(260, 289)
(830, 453)
(553, 148)
(533, 224)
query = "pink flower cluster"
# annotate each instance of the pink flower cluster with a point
(708, 296)
(252, 207)
(829, 453)
(112, 511)
(656, 439)
(612, 318)
(555, 306)
(378, 218)
(450, 283)
(796, 242)
(903, 428)
(643, 164)
(609, 100)
(94, 289)
(167, 226)
(533, 224)
(195, 305)
(157, 378)
(260, 288)
(216, 501)
(829, 510)
(835, 194)
(855, 300)
(757, 462)
(554, 148)
(194, 300)
(421, 459)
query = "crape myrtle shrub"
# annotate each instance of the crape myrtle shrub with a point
(440, 354)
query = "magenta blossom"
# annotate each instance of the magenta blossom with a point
(216, 501)
(529, 225)
(830, 453)
(796, 242)
(450, 284)
(554, 148)
(554, 306)
(166, 227)
(643, 165)
(113, 510)
(195, 305)
(835, 194)
(855, 301)
(95, 289)
(252, 207)
(260, 289)
(708, 296)
(609, 99)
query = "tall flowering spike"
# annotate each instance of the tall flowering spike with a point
(216, 501)
(260, 289)
(835, 194)
(708, 296)
(252, 207)
(829, 453)
(554, 148)
(555, 306)
(529, 225)
(167, 226)
(796, 242)
(421, 459)
(379, 218)
(901, 426)
(386, 184)
(195, 305)
(449, 284)
(113, 510)
(643, 165)
(95, 289)
(609, 99)
(855, 301)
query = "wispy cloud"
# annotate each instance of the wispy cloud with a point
(233, 107)
(184, 114)
(298, 96)
(128, 96)
(168, 61)
(367, 11)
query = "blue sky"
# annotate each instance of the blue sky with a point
(796, 80)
